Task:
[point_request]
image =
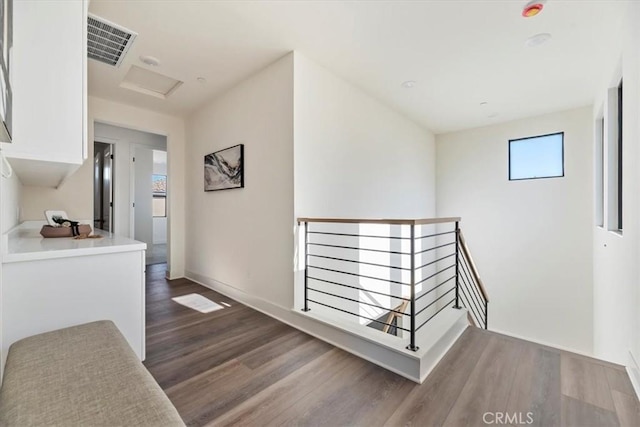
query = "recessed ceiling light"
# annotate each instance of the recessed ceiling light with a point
(484, 103)
(409, 84)
(537, 40)
(201, 80)
(150, 60)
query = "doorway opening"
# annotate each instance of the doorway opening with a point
(103, 186)
(139, 203)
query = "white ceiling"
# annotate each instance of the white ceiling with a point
(460, 53)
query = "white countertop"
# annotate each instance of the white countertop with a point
(24, 243)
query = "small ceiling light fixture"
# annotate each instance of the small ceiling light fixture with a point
(484, 103)
(533, 8)
(409, 84)
(201, 80)
(150, 60)
(537, 40)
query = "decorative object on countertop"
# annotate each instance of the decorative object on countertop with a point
(83, 236)
(224, 169)
(50, 214)
(60, 226)
(61, 231)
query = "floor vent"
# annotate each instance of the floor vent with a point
(106, 41)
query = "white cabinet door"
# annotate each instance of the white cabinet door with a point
(48, 72)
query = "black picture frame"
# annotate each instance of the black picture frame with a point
(224, 169)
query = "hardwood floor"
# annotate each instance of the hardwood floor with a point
(237, 366)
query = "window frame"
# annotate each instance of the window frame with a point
(534, 137)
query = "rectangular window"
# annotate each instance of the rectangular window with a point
(159, 207)
(536, 157)
(159, 195)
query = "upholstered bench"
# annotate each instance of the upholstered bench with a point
(86, 375)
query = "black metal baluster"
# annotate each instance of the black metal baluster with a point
(457, 265)
(412, 345)
(306, 267)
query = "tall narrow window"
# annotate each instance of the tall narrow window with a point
(599, 171)
(614, 158)
(620, 156)
(536, 157)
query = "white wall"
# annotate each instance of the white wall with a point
(355, 157)
(532, 239)
(10, 201)
(76, 194)
(244, 237)
(616, 257)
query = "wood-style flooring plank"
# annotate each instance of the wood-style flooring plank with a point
(585, 382)
(619, 381)
(430, 403)
(263, 407)
(577, 413)
(488, 387)
(627, 409)
(535, 395)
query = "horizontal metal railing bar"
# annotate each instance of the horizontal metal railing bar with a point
(472, 284)
(437, 234)
(433, 262)
(473, 312)
(359, 249)
(465, 265)
(422, 221)
(471, 302)
(359, 275)
(435, 247)
(474, 270)
(468, 281)
(435, 314)
(435, 300)
(465, 289)
(435, 287)
(434, 274)
(358, 301)
(359, 288)
(360, 262)
(358, 235)
(358, 315)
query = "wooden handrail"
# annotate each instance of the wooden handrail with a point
(472, 266)
(422, 221)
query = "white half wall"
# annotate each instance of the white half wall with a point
(244, 237)
(531, 239)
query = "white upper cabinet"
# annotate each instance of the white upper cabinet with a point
(48, 77)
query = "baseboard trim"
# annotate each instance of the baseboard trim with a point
(547, 344)
(316, 329)
(633, 370)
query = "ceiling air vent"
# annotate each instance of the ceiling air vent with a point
(106, 41)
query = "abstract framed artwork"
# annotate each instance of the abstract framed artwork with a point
(224, 169)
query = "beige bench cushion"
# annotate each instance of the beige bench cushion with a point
(85, 375)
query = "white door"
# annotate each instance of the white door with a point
(143, 195)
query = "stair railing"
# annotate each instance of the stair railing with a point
(473, 294)
(373, 270)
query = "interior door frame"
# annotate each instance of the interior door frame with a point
(112, 147)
